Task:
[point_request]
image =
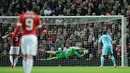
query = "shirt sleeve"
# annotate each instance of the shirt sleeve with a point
(10, 34)
(19, 21)
(39, 23)
(19, 24)
(110, 38)
(100, 39)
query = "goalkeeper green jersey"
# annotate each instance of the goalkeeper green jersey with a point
(71, 51)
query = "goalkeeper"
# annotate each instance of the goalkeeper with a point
(71, 51)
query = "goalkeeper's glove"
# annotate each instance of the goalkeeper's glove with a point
(86, 51)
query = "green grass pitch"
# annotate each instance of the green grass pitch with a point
(66, 69)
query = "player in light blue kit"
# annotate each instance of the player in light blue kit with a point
(107, 48)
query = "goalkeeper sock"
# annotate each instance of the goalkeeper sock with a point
(102, 60)
(48, 51)
(11, 59)
(29, 64)
(113, 60)
(49, 59)
(15, 61)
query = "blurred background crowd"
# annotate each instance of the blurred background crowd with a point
(66, 7)
(62, 36)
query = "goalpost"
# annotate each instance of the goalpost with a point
(76, 21)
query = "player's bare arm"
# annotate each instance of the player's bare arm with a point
(98, 47)
(5, 36)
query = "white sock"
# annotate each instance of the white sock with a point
(11, 59)
(24, 65)
(29, 64)
(15, 61)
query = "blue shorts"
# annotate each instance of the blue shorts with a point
(107, 50)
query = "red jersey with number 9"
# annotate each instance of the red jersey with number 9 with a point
(29, 21)
(15, 38)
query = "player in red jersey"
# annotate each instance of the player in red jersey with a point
(14, 48)
(29, 22)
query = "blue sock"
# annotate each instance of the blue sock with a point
(113, 60)
(102, 60)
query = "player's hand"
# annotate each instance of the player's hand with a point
(3, 37)
(99, 52)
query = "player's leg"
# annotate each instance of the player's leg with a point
(53, 58)
(24, 52)
(16, 55)
(51, 52)
(112, 56)
(102, 60)
(29, 50)
(57, 56)
(32, 51)
(113, 60)
(27, 63)
(104, 53)
(11, 56)
(24, 63)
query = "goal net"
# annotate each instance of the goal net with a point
(61, 32)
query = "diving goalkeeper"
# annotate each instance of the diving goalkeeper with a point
(71, 51)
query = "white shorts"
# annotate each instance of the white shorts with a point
(29, 45)
(14, 50)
